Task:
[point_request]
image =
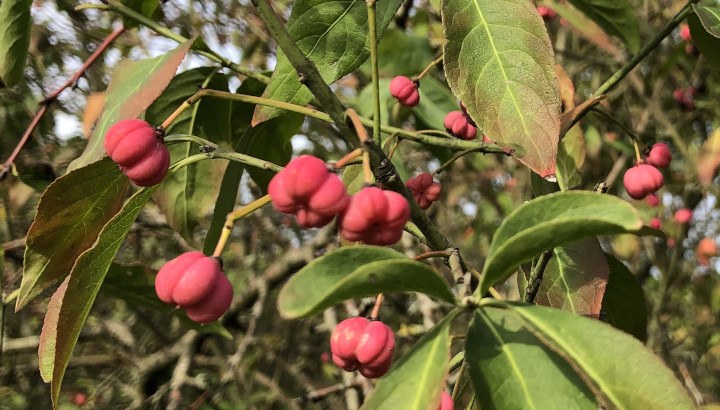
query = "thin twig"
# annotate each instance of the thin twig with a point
(536, 277)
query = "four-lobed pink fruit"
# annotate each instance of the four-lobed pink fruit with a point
(424, 189)
(138, 150)
(309, 190)
(458, 124)
(375, 217)
(195, 282)
(405, 90)
(659, 155)
(641, 180)
(364, 345)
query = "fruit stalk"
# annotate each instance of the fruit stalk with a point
(372, 30)
(234, 216)
(431, 65)
(362, 134)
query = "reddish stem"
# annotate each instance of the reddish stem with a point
(52, 97)
(376, 309)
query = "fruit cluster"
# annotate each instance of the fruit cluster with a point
(405, 90)
(360, 344)
(424, 189)
(138, 150)
(460, 125)
(309, 190)
(645, 178)
(375, 217)
(196, 283)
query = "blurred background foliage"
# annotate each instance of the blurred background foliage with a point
(134, 354)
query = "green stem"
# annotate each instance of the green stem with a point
(231, 156)
(121, 9)
(536, 277)
(615, 79)
(622, 126)
(374, 64)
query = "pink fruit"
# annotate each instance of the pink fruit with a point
(446, 402)
(652, 200)
(307, 189)
(641, 180)
(375, 217)
(346, 336)
(138, 150)
(659, 156)
(685, 32)
(655, 223)
(546, 12)
(359, 344)
(424, 189)
(214, 304)
(181, 282)
(458, 124)
(683, 215)
(405, 90)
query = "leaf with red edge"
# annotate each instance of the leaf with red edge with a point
(133, 86)
(575, 278)
(499, 61)
(71, 213)
(71, 305)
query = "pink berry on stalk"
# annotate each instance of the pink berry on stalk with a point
(138, 150)
(659, 155)
(405, 90)
(683, 215)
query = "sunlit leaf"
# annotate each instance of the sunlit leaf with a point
(133, 86)
(709, 17)
(511, 369)
(334, 36)
(500, 63)
(15, 27)
(641, 381)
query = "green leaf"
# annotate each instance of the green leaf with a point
(624, 302)
(500, 63)
(435, 102)
(641, 381)
(417, 379)
(554, 220)
(571, 156)
(511, 369)
(71, 213)
(133, 86)
(616, 17)
(134, 284)
(400, 53)
(582, 25)
(706, 43)
(353, 272)
(15, 24)
(144, 7)
(709, 17)
(77, 294)
(575, 278)
(333, 35)
(186, 196)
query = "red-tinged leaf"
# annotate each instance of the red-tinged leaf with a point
(582, 25)
(567, 89)
(575, 279)
(500, 63)
(133, 87)
(62, 328)
(48, 335)
(709, 158)
(571, 117)
(70, 215)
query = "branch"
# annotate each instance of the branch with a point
(536, 277)
(53, 97)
